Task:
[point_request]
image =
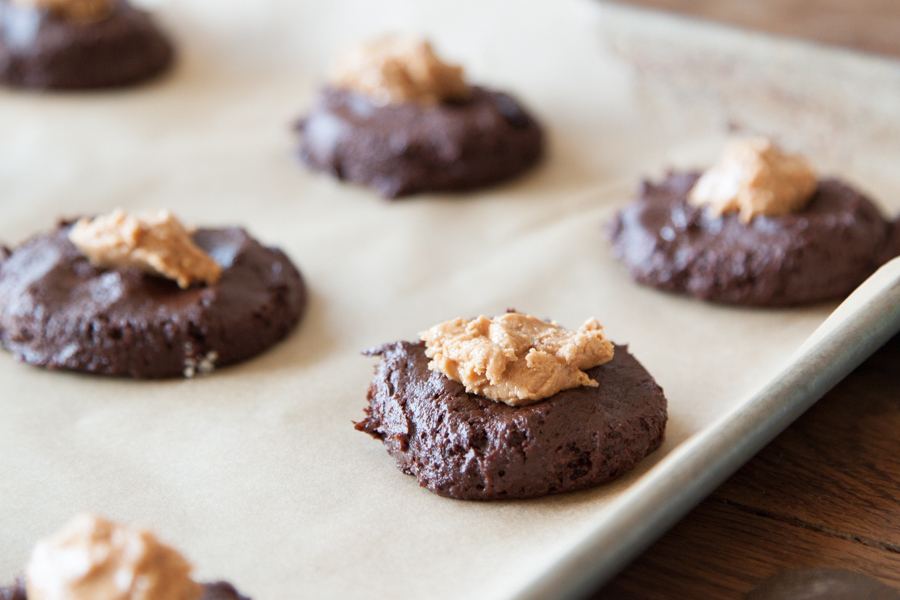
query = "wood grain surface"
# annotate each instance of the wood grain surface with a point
(869, 25)
(826, 492)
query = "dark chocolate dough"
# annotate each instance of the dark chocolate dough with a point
(468, 447)
(41, 50)
(821, 253)
(59, 312)
(219, 590)
(892, 247)
(407, 148)
(15, 591)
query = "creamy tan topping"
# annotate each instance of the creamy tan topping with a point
(75, 10)
(94, 559)
(152, 241)
(516, 359)
(398, 69)
(753, 177)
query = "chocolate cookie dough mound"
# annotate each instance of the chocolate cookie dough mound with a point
(892, 247)
(41, 50)
(209, 591)
(821, 253)
(471, 448)
(14, 592)
(407, 148)
(220, 590)
(58, 311)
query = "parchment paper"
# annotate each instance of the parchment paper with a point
(256, 472)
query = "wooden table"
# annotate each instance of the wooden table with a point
(826, 492)
(870, 25)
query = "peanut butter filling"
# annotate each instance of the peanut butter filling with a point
(516, 359)
(74, 10)
(398, 69)
(153, 241)
(753, 177)
(94, 559)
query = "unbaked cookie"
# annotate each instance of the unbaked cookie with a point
(219, 590)
(823, 252)
(59, 311)
(92, 558)
(469, 447)
(106, 43)
(419, 127)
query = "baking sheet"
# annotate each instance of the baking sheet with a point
(255, 472)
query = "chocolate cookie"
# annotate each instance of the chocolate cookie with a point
(14, 592)
(40, 49)
(821, 253)
(58, 311)
(220, 590)
(468, 447)
(403, 149)
(210, 591)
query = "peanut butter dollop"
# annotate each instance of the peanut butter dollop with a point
(516, 359)
(153, 241)
(753, 177)
(74, 10)
(94, 559)
(398, 69)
